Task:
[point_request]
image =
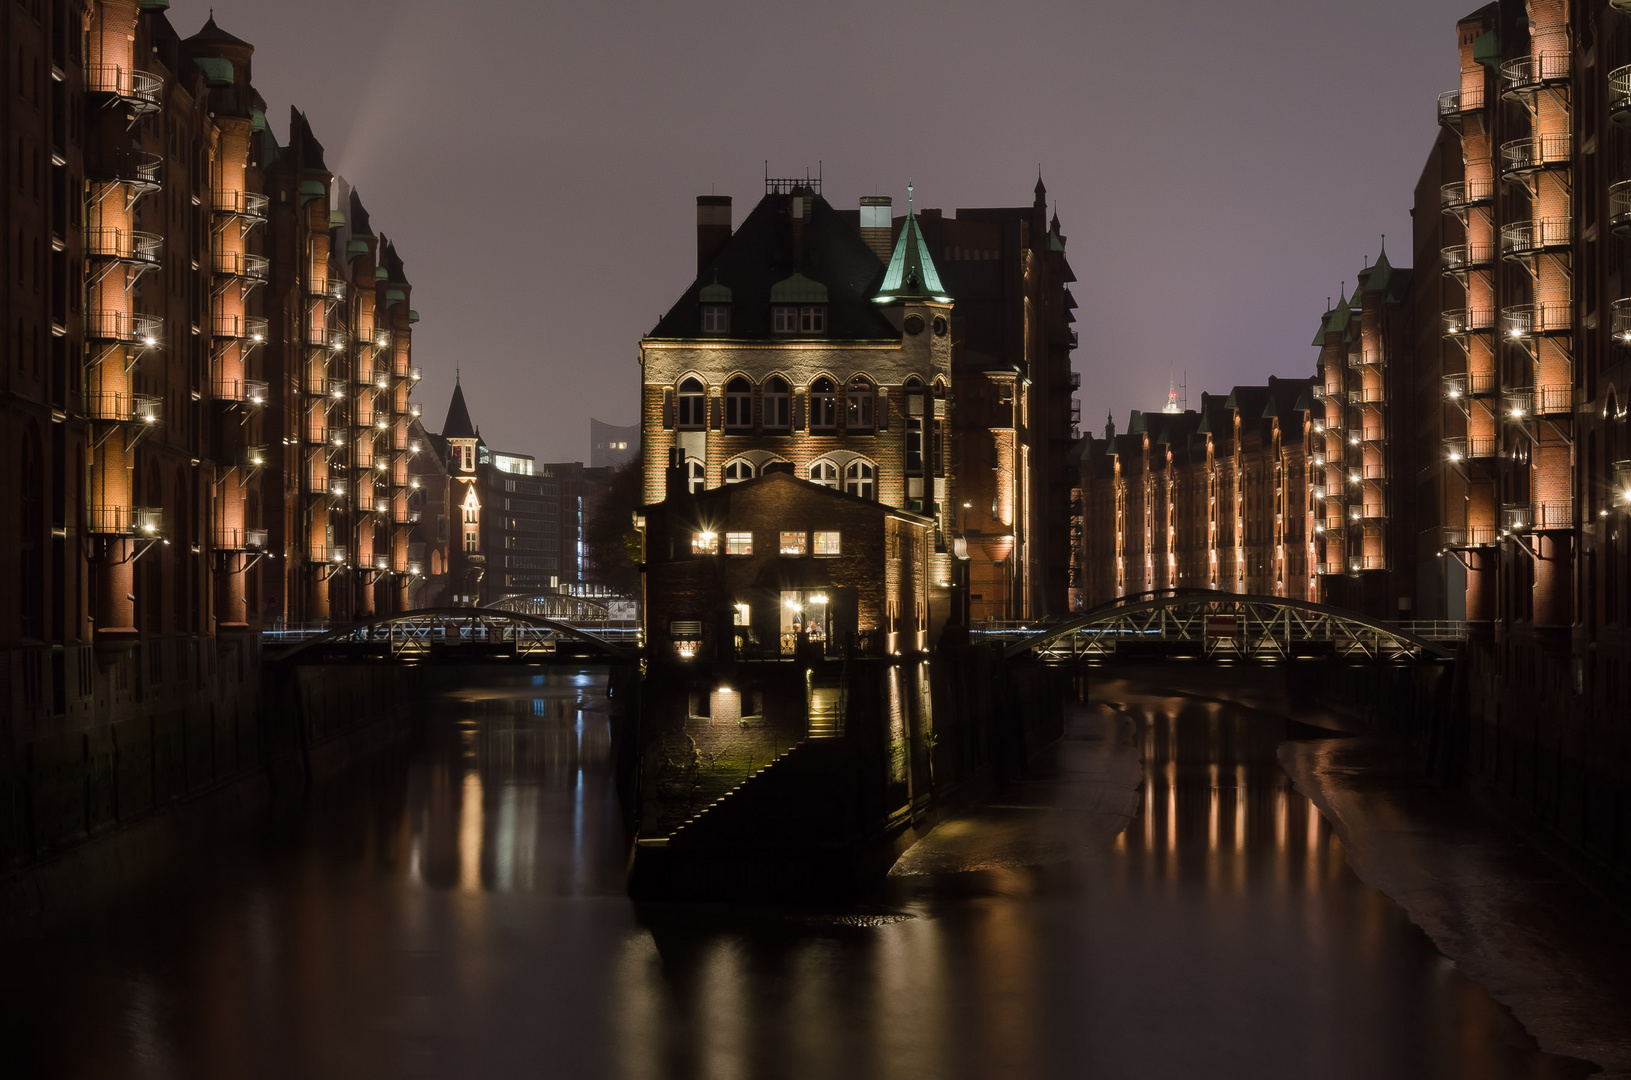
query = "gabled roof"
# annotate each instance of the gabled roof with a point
(764, 251)
(911, 274)
(359, 217)
(458, 425)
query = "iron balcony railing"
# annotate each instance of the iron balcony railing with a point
(125, 520)
(1554, 516)
(1619, 207)
(334, 554)
(1375, 472)
(1470, 448)
(1458, 258)
(141, 90)
(1462, 321)
(254, 457)
(234, 538)
(124, 326)
(1517, 518)
(1452, 103)
(122, 408)
(1367, 562)
(1619, 93)
(1525, 74)
(1536, 152)
(241, 391)
(1329, 569)
(1469, 384)
(1465, 193)
(405, 515)
(247, 204)
(326, 288)
(318, 435)
(1620, 320)
(133, 167)
(252, 328)
(1470, 537)
(1526, 237)
(242, 264)
(127, 245)
(1554, 400)
(1523, 320)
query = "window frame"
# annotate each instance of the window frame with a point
(869, 482)
(696, 475)
(739, 465)
(691, 406)
(739, 543)
(716, 318)
(824, 400)
(793, 543)
(738, 403)
(823, 537)
(777, 404)
(704, 542)
(834, 481)
(860, 396)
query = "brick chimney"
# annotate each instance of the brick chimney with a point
(674, 479)
(713, 227)
(876, 227)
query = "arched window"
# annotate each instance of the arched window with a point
(693, 404)
(861, 478)
(858, 407)
(823, 404)
(777, 399)
(739, 470)
(738, 403)
(825, 473)
(696, 476)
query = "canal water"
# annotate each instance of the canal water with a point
(1154, 900)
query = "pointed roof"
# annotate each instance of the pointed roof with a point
(911, 274)
(458, 425)
(212, 34)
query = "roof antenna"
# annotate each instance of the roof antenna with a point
(908, 196)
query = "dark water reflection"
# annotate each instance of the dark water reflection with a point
(458, 911)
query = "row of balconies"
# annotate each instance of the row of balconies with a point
(1517, 320)
(244, 204)
(1538, 517)
(240, 264)
(126, 245)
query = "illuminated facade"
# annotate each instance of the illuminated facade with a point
(832, 344)
(207, 367)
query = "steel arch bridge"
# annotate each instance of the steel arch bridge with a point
(414, 635)
(1211, 625)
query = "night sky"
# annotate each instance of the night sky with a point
(1219, 169)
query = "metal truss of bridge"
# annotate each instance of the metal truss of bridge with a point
(1208, 625)
(454, 631)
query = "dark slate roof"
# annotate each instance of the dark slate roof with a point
(392, 262)
(714, 496)
(760, 254)
(212, 34)
(458, 425)
(359, 217)
(311, 151)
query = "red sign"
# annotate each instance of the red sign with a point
(1222, 626)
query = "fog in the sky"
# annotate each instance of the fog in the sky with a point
(1218, 168)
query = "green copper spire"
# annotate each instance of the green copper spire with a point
(911, 274)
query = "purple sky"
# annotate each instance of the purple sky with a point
(1219, 168)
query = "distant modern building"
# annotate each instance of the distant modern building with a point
(516, 525)
(611, 446)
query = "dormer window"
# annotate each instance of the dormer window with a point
(716, 318)
(798, 305)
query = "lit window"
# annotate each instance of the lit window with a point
(693, 404)
(794, 543)
(716, 318)
(860, 478)
(744, 615)
(739, 543)
(776, 399)
(858, 413)
(472, 540)
(704, 543)
(823, 404)
(738, 471)
(738, 403)
(824, 473)
(826, 543)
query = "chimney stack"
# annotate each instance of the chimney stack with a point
(713, 227)
(877, 228)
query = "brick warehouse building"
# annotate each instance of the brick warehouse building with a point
(206, 371)
(922, 361)
(1467, 432)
